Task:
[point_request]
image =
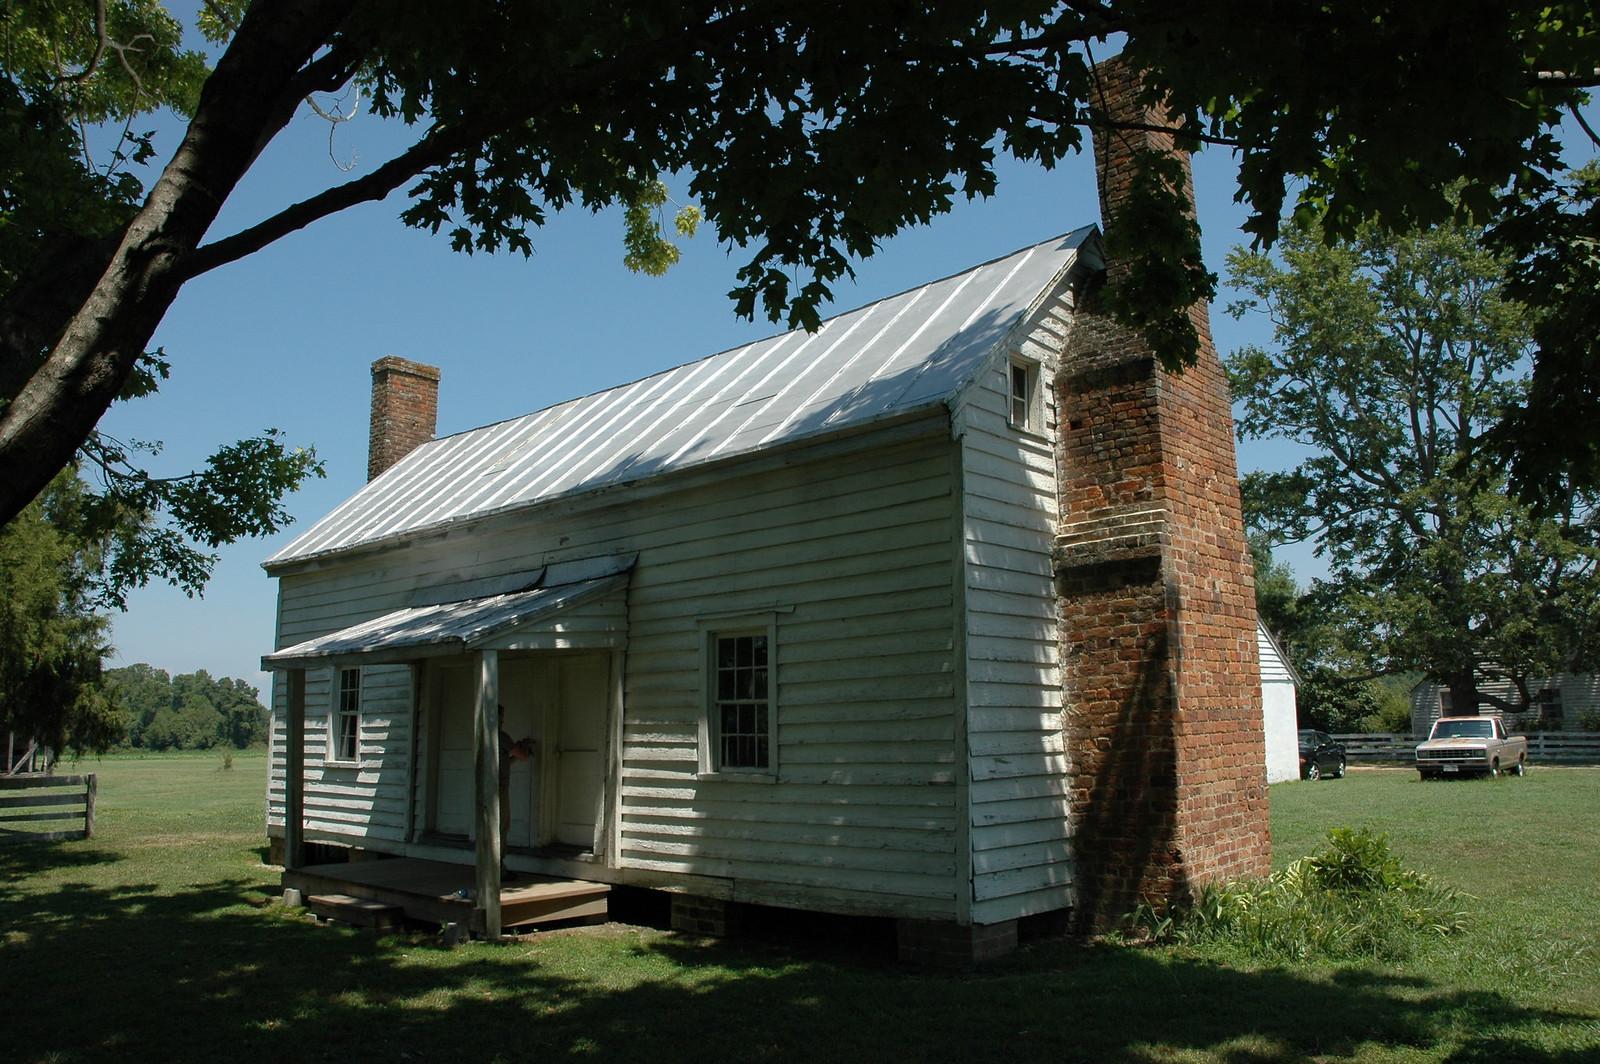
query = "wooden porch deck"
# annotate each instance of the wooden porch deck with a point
(438, 892)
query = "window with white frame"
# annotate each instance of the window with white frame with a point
(346, 729)
(1023, 387)
(740, 688)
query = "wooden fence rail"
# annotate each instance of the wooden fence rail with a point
(1550, 748)
(56, 799)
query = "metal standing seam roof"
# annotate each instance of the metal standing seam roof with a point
(899, 354)
(446, 628)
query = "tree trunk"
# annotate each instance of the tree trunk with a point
(247, 99)
(1463, 693)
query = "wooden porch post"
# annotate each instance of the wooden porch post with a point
(294, 771)
(487, 729)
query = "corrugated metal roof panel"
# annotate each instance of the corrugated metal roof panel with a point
(445, 628)
(890, 357)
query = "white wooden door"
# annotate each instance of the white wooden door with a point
(457, 770)
(579, 750)
(524, 693)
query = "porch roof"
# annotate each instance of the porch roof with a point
(443, 628)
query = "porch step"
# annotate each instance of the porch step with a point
(544, 903)
(363, 912)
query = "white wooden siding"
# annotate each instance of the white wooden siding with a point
(364, 801)
(849, 543)
(1020, 829)
(1274, 669)
(1279, 717)
(1580, 699)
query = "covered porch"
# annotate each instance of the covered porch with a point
(468, 638)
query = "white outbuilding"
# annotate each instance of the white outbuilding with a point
(1279, 713)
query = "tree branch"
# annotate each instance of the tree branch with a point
(102, 41)
(431, 150)
(1594, 138)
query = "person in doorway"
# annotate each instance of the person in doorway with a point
(520, 750)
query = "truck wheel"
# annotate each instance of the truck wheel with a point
(1313, 772)
(1494, 768)
(1519, 769)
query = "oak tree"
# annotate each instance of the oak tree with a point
(1393, 360)
(809, 132)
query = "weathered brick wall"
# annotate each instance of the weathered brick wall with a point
(1163, 694)
(405, 410)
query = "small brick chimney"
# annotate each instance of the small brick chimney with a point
(405, 410)
(1157, 595)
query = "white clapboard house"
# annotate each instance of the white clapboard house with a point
(781, 622)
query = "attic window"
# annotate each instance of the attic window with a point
(1023, 378)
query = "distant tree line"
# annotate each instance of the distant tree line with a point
(190, 711)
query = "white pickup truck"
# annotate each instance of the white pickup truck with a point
(1464, 745)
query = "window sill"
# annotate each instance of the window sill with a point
(333, 762)
(738, 777)
(1030, 433)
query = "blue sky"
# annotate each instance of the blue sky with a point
(285, 339)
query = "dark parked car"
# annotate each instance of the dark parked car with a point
(1320, 755)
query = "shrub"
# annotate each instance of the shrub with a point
(1352, 899)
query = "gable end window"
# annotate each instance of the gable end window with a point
(1023, 389)
(346, 730)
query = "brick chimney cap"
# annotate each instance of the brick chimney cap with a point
(396, 364)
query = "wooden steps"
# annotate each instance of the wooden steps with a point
(545, 902)
(363, 912)
(440, 893)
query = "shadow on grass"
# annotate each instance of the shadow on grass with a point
(20, 861)
(209, 973)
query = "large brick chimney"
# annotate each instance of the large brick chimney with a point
(1163, 694)
(405, 410)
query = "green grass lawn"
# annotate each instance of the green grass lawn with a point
(157, 940)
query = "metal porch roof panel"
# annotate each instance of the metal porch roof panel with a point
(445, 628)
(899, 354)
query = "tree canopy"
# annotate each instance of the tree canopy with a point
(1394, 359)
(52, 642)
(809, 132)
(190, 711)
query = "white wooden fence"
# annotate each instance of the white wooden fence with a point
(53, 800)
(1549, 748)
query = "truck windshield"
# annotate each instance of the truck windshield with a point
(1463, 729)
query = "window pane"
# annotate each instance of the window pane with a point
(739, 708)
